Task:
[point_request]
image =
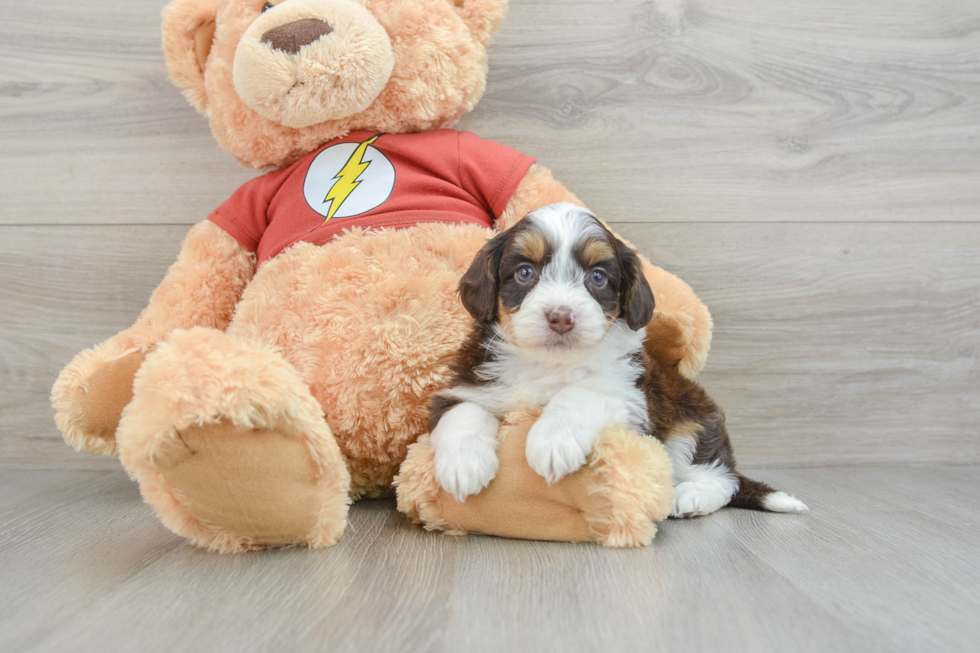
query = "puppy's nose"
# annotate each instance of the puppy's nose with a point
(291, 37)
(561, 320)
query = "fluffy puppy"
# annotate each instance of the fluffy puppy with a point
(560, 306)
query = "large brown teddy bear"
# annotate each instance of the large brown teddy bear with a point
(285, 363)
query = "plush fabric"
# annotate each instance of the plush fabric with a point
(370, 322)
(109, 390)
(253, 404)
(680, 332)
(201, 288)
(615, 499)
(226, 428)
(329, 79)
(439, 72)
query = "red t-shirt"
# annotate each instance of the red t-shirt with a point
(374, 180)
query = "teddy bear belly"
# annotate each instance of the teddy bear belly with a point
(371, 322)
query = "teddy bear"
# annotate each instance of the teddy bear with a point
(284, 365)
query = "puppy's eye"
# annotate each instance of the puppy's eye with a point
(267, 6)
(524, 273)
(598, 278)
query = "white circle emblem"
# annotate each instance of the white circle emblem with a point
(348, 179)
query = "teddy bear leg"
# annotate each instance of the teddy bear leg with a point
(230, 447)
(616, 499)
(90, 395)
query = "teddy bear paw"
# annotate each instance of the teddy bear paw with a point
(230, 447)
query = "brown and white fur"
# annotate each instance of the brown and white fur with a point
(560, 306)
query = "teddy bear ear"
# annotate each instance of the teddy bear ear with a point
(483, 17)
(188, 32)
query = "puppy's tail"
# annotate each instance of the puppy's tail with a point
(756, 495)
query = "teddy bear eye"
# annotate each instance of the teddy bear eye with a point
(267, 6)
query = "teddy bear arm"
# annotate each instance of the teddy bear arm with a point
(680, 331)
(201, 288)
(538, 188)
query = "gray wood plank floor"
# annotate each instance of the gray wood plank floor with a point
(886, 560)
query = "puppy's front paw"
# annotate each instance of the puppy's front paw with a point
(465, 468)
(465, 442)
(555, 450)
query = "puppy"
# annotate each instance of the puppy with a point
(560, 306)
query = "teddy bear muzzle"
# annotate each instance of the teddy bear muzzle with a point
(304, 62)
(293, 37)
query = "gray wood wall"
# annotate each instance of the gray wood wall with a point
(811, 168)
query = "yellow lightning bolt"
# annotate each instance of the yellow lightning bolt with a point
(347, 178)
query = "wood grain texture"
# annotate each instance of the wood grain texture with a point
(850, 343)
(747, 110)
(91, 130)
(884, 561)
(70, 288)
(663, 110)
(834, 344)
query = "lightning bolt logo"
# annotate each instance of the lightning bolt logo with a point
(348, 178)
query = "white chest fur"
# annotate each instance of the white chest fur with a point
(610, 369)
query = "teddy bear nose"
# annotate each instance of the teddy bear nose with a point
(561, 319)
(291, 37)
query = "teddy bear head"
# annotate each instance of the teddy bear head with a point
(278, 79)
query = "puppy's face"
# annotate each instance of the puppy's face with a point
(556, 283)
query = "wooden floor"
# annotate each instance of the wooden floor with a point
(886, 560)
(811, 168)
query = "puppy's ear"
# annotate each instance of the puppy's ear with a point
(479, 286)
(636, 301)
